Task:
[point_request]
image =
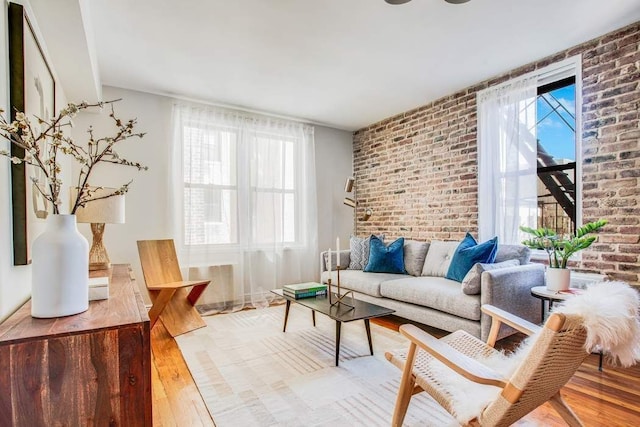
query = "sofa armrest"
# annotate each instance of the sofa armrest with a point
(345, 259)
(510, 290)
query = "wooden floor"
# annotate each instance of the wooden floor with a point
(609, 398)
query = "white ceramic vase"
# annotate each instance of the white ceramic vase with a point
(60, 269)
(558, 279)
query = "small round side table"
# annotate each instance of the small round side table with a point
(544, 294)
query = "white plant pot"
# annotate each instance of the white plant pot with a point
(60, 270)
(558, 279)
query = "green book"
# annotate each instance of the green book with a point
(301, 295)
(304, 287)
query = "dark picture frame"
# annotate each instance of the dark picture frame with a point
(32, 91)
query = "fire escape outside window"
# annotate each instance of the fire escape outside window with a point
(556, 162)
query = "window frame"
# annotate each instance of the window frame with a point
(492, 204)
(244, 188)
(550, 75)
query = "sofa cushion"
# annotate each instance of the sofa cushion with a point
(359, 281)
(386, 259)
(438, 258)
(414, 254)
(468, 253)
(359, 252)
(519, 252)
(434, 292)
(471, 282)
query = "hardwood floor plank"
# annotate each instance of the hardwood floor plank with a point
(176, 400)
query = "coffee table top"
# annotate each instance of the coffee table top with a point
(340, 312)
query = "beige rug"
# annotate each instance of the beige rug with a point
(250, 373)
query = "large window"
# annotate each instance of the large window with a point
(528, 153)
(243, 194)
(241, 186)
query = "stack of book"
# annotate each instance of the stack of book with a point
(304, 290)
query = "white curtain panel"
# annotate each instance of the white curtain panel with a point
(507, 160)
(244, 202)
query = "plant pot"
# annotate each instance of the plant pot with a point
(60, 271)
(558, 279)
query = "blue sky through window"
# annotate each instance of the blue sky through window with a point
(556, 128)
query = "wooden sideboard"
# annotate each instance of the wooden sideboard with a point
(93, 368)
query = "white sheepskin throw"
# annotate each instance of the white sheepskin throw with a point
(610, 317)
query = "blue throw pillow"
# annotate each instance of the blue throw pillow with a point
(468, 253)
(386, 259)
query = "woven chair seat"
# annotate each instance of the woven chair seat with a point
(428, 371)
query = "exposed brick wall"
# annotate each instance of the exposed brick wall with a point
(418, 170)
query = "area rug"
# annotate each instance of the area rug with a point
(250, 373)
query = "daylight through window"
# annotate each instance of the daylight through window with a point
(556, 132)
(217, 198)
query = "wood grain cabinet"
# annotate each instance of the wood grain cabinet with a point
(93, 368)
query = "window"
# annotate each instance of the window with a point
(529, 153)
(274, 193)
(210, 185)
(242, 182)
(556, 130)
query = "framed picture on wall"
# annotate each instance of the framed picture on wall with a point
(31, 90)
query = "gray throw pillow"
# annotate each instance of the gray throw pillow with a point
(519, 252)
(359, 252)
(414, 255)
(471, 282)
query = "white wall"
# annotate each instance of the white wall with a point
(15, 281)
(147, 203)
(334, 163)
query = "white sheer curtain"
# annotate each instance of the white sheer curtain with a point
(507, 160)
(244, 203)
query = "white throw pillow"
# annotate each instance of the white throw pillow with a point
(438, 258)
(471, 282)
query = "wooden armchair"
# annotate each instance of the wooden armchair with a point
(172, 302)
(556, 353)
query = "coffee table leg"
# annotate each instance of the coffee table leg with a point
(286, 315)
(313, 316)
(368, 328)
(338, 325)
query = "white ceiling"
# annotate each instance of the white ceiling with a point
(341, 63)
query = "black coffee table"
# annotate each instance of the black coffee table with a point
(340, 313)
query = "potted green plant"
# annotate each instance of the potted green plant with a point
(560, 248)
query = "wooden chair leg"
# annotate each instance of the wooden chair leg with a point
(195, 293)
(493, 332)
(565, 412)
(405, 391)
(160, 299)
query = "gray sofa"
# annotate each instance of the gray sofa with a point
(429, 298)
